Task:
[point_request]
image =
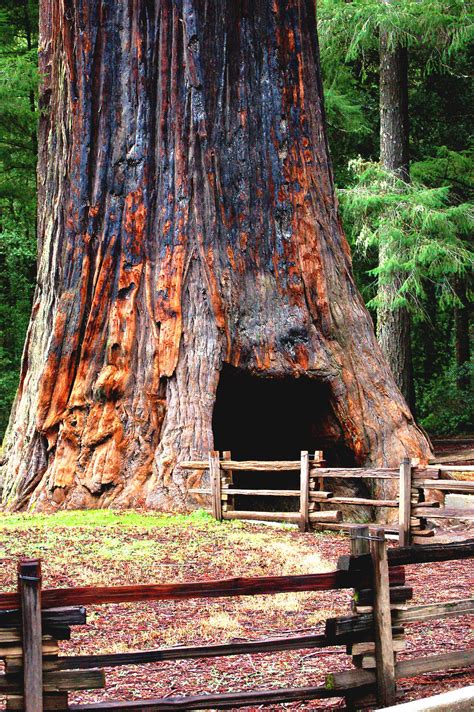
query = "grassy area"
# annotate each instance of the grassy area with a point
(105, 518)
(105, 547)
(91, 544)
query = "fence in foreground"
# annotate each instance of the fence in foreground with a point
(34, 621)
(320, 508)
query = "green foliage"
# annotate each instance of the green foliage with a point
(444, 407)
(451, 169)
(347, 119)
(107, 518)
(439, 36)
(424, 230)
(441, 28)
(343, 112)
(18, 119)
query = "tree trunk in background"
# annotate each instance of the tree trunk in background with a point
(187, 219)
(394, 325)
(462, 326)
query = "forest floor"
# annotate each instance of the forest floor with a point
(456, 451)
(80, 548)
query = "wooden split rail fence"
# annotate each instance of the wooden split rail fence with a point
(314, 493)
(34, 621)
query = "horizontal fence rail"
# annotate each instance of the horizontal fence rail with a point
(315, 495)
(88, 595)
(332, 580)
(373, 633)
(430, 553)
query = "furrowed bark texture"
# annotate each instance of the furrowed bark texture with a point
(187, 219)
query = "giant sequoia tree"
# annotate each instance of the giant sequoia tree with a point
(187, 228)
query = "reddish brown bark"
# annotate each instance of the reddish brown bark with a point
(187, 219)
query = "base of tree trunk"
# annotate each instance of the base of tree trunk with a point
(187, 225)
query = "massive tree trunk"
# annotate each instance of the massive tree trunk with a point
(187, 220)
(394, 324)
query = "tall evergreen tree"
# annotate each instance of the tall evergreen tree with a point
(436, 35)
(393, 325)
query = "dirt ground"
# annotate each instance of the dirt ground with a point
(459, 451)
(106, 548)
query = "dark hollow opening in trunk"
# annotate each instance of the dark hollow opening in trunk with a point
(259, 418)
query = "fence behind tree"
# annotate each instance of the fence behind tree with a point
(33, 621)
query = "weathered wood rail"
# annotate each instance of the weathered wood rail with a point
(315, 490)
(32, 624)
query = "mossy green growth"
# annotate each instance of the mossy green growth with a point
(107, 518)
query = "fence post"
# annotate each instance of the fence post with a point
(216, 484)
(384, 657)
(404, 507)
(304, 491)
(318, 461)
(359, 545)
(360, 540)
(29, 588)
(227, 480)
(315, 484)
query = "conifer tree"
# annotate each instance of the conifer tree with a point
(437, 30)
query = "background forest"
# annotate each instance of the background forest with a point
(411, 235)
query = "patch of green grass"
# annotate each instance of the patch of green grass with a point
(118, 550)
(107, 518)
